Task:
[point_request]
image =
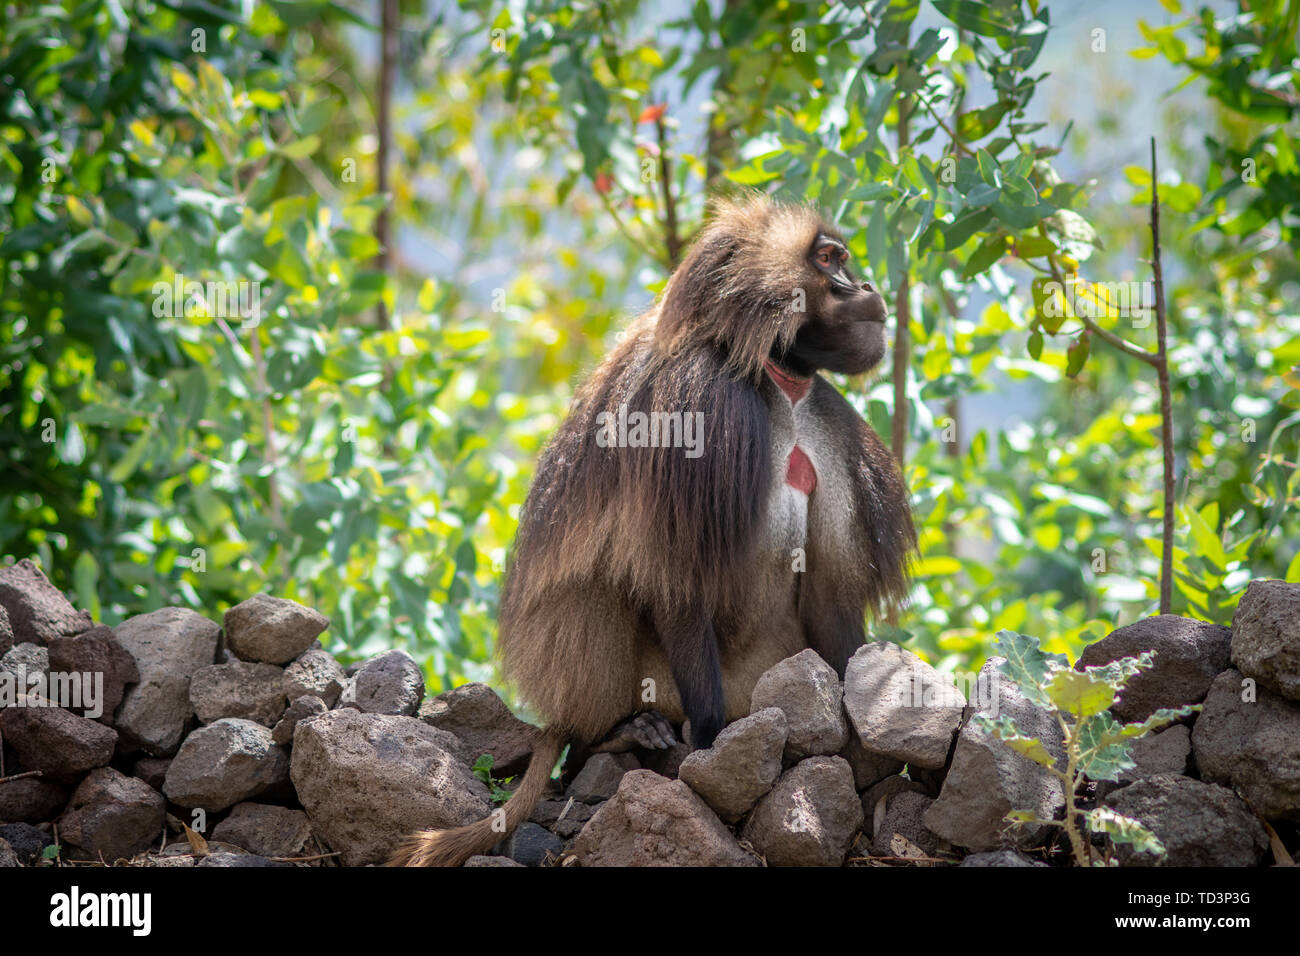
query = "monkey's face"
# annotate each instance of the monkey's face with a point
(845, 326)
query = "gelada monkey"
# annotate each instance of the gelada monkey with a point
(661, 568)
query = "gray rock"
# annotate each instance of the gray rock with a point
(57, 742)
(491, 861)
(531, 845)
(368, 780)
(29, 664)
(347, 696)
(885, 790)
(28, 842)
(300, 709)
(654, 821)
(741, 766)
(168, 646)
(1251, 745)
(96, 652)
(868, 767)
(1163, 752)
(1200, 824)
(391, 683)
(112, 814)
(667, 763)
(314, 674)
(565, 818)
(152, 770)
(1189, 655)
(809, 818)
(808, 691)
(36, 610)
(224, 763)
(999, 858)
(8, 855)
(31, 799)
(482, 721)
(250, 691)
(599, 777)
(988, 779)
(900, 706)
(6, 631)
(903, 817)
(271, 630)
(1266, 636)
(265, 829)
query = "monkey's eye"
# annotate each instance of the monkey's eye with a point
(825, 256)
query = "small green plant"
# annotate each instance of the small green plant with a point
(483, 770)
(1096, 745)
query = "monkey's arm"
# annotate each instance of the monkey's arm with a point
(686, 633)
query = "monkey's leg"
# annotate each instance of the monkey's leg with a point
(574, 761)
(692, 650)
(833, 626)
(648, 729)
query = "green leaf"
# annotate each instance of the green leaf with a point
(1027, 665)
(988, 252)
(955, 235)
(1077, 354)
(357, 246)
(977, 18)
(990, 172)
(301, 148)
(1122, 829)
(1080, 693)
(128, 463)
(85, 578)
(869, 192)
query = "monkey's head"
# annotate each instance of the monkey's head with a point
(767, 280)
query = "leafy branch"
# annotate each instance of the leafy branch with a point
(1096, 745)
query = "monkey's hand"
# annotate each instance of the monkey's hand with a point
(649, 729)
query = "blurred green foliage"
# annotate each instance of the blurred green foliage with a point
(547, 175)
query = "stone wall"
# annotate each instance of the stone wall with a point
(274, 754)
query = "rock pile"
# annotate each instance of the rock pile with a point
(258, 740)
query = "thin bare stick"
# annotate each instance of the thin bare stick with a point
(303, 859)
(20, 776)
(1166, 398)
(902, 316)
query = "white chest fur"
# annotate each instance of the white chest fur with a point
(800, 520)
(793, 426)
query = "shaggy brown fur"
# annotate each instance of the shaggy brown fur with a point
(645, 579)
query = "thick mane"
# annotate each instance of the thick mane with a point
(735, 291)
(651, 520)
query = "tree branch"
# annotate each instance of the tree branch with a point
(1166, 398)
(671, 240)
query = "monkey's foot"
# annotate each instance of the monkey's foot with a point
(649, 729)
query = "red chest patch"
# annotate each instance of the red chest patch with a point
(799, 471)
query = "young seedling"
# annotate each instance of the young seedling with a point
(1096, 744)
(483, 770)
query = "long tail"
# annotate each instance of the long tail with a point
(454, 847)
